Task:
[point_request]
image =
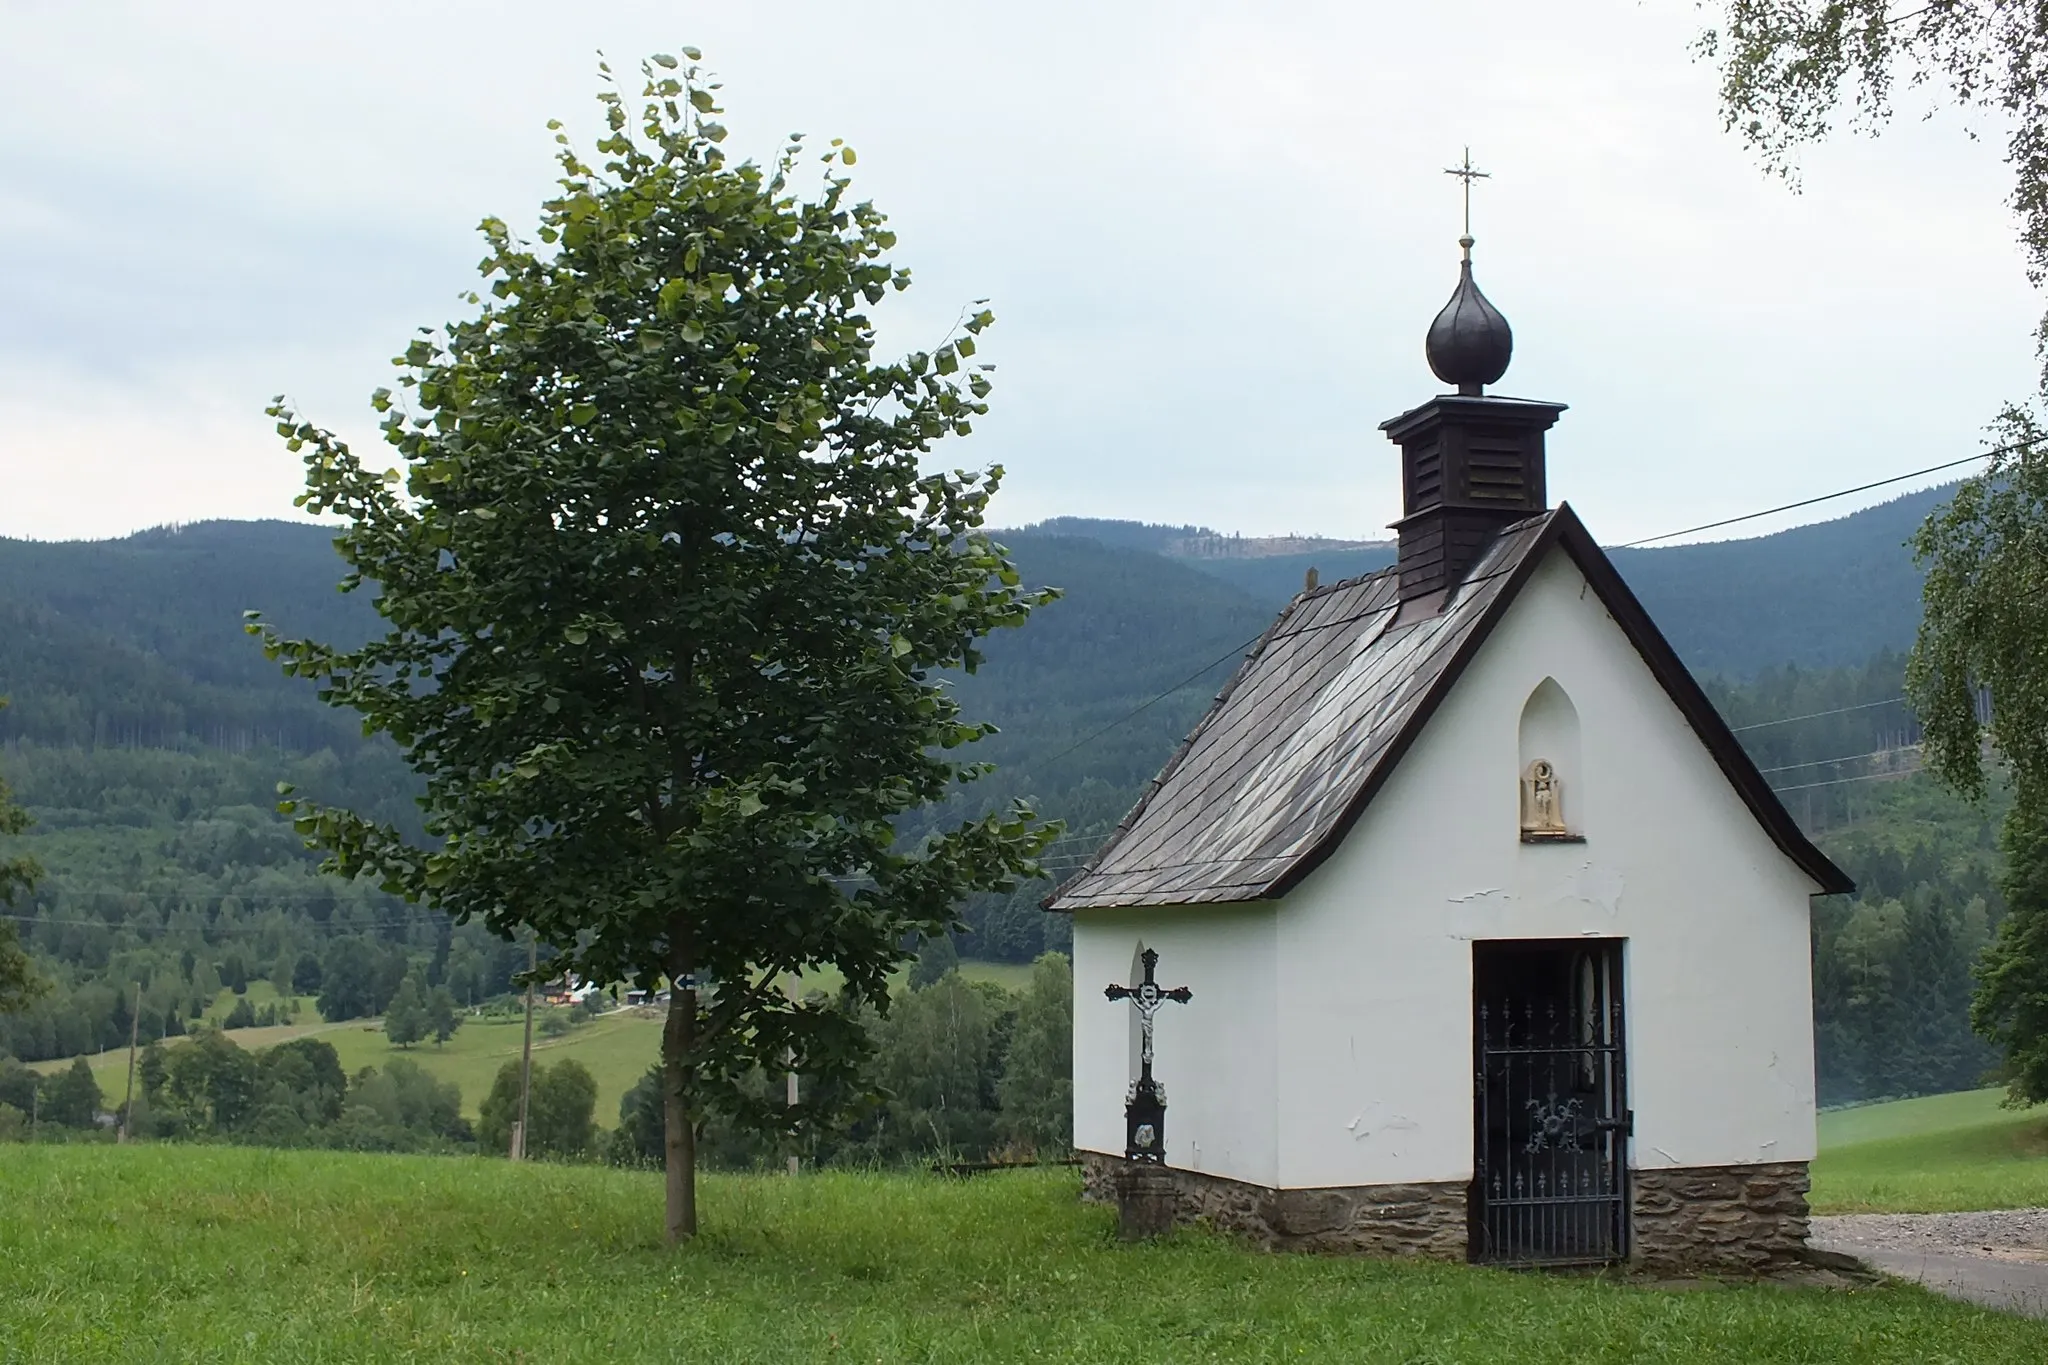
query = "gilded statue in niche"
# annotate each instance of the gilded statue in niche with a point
(1543, 802)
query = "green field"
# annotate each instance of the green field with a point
(233, 1254)
(1937, 1154)
(616, 1047)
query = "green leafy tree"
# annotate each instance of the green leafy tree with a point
(210, 1084)
(1789, 67)
(149, 1072)
(561, 1113)
(18, 1085)
(442, 1017)
(407, 1099)
(2011, 1008)
(936, 1050)
(1985, 630)
(934, 960)
(667, 602)
(358, 979)
(406, 1020)
(20, 984)
(72, 1097)
(1036, 1093)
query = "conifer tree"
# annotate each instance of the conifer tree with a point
(19, 981)
(442, 1017)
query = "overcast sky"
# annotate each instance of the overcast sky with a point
(1213, 236)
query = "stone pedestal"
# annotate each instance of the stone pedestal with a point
(1146, 1200)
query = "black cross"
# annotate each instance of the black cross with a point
(1145, 1105)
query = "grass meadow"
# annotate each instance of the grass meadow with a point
(225, 1254)
(1937, 1154)
(617, 1048)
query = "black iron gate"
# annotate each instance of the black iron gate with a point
(1550, 1184)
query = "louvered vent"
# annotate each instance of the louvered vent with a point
(1496, 471)
(1425, 481)
(1470, 467)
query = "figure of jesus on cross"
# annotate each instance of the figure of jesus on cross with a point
(1145, 1105)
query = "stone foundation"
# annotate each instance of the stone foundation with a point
(1374, 1220)
(1744, 1219)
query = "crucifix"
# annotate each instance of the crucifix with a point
(1467, 173)
(1145, 1104)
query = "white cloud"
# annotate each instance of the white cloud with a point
(1213, 235)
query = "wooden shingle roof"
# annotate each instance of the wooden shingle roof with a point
(1321, 711)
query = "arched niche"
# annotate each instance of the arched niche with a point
(1553, 791)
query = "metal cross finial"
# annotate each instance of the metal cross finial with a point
(1467, 173)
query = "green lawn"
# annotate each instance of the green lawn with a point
(1936, 1154)
(616, 1047)
(224, 1254)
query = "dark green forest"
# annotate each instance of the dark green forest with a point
(147, 736)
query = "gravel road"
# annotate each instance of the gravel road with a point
(1997, 1258)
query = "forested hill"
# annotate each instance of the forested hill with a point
(1823, 595)
(148, 732)
(138, 641)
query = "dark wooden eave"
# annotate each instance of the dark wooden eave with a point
(1321, 712)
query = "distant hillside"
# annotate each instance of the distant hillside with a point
(1829, 594)
(1819, 596)
(1191, 542)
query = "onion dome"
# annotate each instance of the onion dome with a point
(1470, 342)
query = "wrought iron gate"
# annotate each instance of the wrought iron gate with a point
(1551, 1132)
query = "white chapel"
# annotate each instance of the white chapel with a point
(1494, 942)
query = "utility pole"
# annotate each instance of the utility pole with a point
(790, 1060)
(526, 1051)
(128, 1105)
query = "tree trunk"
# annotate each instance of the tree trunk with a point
(680, 1132)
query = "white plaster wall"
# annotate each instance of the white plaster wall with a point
(1374, 950)
(1214, 1055)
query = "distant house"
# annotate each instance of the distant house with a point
(1497, 941)
(569, 991)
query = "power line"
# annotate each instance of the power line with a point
(1830, 497)
(1838, 781)
(1647, 540)
(1150, 702)
(1845, 758)
(1816, 715)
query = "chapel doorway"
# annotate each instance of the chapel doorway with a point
(1550, 1104)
